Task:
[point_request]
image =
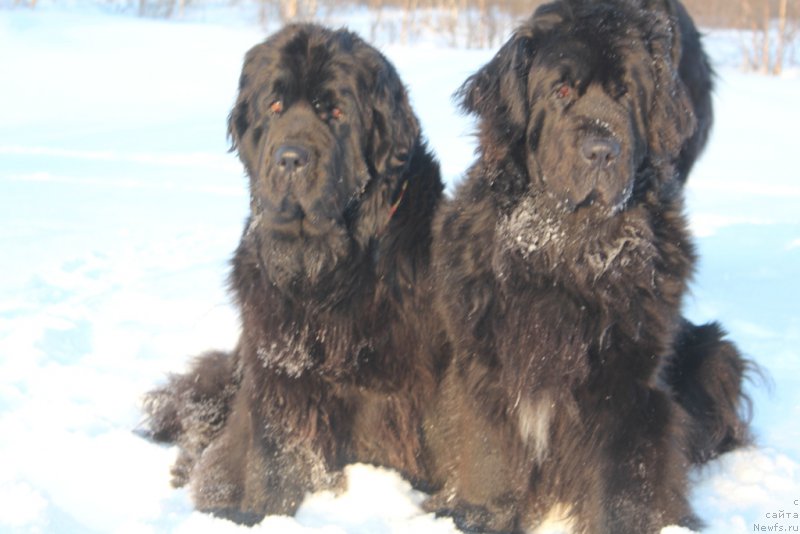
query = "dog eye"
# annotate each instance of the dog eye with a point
(276, 107)
(326, 111)
(563, 91)
(320, 108)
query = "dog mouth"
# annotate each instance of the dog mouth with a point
(610, 194)
(601, 179)
(298, 226)
(297, 251)
(598, 198)
(292, 222)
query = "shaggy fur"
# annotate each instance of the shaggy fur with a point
(338, 354)
(705, 373)
(561, 263)
(694, 70)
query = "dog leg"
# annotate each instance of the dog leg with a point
(191, 409)
(643, 469)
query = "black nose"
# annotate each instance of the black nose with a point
(291, 158)
(600, 151)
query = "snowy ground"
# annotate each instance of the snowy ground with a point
(119, 209)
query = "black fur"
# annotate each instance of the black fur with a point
(697, 75)
(338, 353)
(705, 375)
(561, 265)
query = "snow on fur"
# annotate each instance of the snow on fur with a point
(119, 209)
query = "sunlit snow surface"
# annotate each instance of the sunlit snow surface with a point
(120, 207)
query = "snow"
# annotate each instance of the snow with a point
(120, 207)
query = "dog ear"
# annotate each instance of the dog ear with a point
(672, 120)
(395, 129)
(498, 91)
(392, 136)
(241, 133)
(668, 8)
(238, 123)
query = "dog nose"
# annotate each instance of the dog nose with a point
(291, 158)
(600, 151)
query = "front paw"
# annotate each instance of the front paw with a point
(473, 518)
(245, 484)
(192, 406)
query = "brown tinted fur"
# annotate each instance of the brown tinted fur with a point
(339, 352)
(561, 275)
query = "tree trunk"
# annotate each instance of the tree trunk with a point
(409, 7)
(288, 10)
(765, 55)
(376, 12)
(310, 9)
(782, 35)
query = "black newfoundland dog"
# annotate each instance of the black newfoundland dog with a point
(338, 352)
(561, 263)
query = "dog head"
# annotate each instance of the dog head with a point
(324, 129)
(584, 96)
